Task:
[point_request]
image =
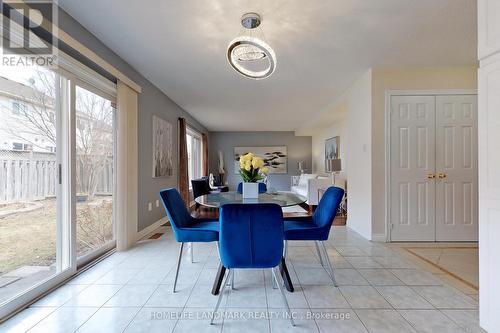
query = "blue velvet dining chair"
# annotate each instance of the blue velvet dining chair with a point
(262, 188)
(251, 236)
(317, 227)
(186, 228)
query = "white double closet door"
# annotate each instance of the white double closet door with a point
(433, 171)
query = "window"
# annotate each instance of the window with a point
(81, 124)
(17, 146)
(50, 149)
(18, 108)
(195, 154)
(22, 146)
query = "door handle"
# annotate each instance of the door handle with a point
(431, 176)
(441, 175)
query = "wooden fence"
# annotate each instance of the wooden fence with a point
(33, 176)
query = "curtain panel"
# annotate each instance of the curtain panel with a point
(127, 167)
(183, 163)
(205, 154)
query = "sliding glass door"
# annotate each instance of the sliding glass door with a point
(57, 170)
(95, 137)
(34, 231)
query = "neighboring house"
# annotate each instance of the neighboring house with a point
(16, 133)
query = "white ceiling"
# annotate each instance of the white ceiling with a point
(321, 46)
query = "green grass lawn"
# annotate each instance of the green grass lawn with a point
(29, 238)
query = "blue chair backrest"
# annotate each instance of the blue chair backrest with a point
(262, 188)
(251, 235)
(327, 207)
(176, 210)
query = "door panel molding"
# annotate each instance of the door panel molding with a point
(461, 179)
(414, 146)
(420, 113)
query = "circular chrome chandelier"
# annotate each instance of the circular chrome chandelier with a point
(248, 54)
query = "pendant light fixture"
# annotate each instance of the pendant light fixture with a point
(249, 54)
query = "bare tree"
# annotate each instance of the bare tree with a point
(36, 109)
(94, 126)
(94, 139)
(94, 226)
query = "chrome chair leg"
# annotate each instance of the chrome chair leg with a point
(218, 250)
(178, 265)
(285, 252)
(273, 281)
(230, 272)
(319, 253)
(283, 294)
(230, 282)
(330, 267)
(191, 248)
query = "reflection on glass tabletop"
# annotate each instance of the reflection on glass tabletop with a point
(282, 198)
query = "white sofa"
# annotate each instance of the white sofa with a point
(309, 184)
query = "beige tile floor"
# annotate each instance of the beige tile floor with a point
(456, 263)
(460, 261)
(382, 289)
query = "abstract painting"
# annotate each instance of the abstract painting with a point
(275, 158)
(332, 148)
(162, 148)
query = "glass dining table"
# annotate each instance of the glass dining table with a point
(282, 198)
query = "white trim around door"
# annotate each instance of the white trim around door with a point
(388, 95)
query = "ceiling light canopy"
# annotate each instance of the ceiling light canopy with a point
(249, 54)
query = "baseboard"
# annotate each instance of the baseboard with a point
(141, 234)
(379, 238)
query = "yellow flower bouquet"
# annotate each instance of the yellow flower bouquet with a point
(252, 168)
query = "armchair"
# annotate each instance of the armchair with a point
(308, 185)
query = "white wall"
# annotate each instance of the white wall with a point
(489, 164)
(338, 128)
(330, 122)
(349, 116)
(359, 156)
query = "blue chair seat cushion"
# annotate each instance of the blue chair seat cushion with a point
(316, 227)
(185, 227)
(200, 231)
(304, 229)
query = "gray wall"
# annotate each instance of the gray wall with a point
(151, 101)
(298, 149)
